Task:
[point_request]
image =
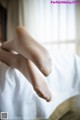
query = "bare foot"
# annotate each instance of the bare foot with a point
(29, 70)
(31, 49)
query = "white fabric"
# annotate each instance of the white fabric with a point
(20, 101)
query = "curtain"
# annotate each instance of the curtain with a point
(53, 25)
(15, 17)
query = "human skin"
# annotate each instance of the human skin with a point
(32, 56)
(28, 47)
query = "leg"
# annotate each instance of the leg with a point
(29, 70)
(31, 49)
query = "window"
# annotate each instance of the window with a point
(52, 25)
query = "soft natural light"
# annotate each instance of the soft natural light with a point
(52, 25)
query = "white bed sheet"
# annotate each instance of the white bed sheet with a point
(18, 98)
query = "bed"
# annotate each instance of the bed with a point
(18, 98)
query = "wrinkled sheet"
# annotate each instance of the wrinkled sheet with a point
(18, 98)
